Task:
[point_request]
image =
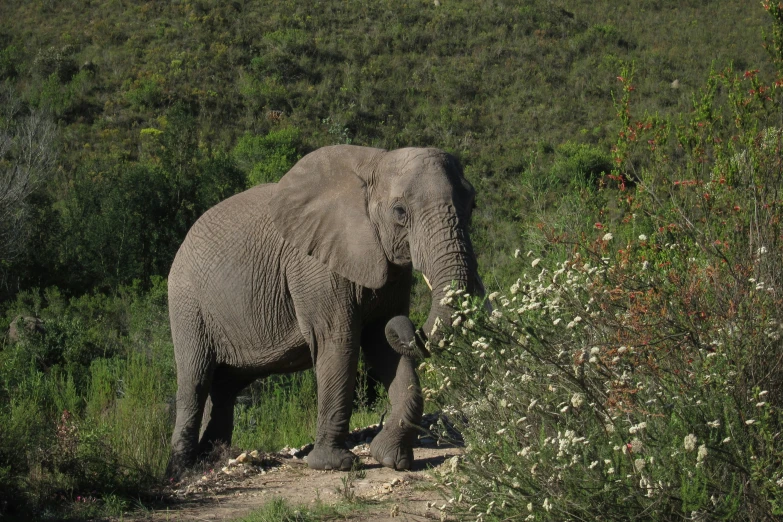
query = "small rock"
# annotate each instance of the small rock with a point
(254, 454)
(395, 511)
(241, 459)
(454, 463)
(395, 481)
(232, 462)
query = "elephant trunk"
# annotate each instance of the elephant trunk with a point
(452, 267)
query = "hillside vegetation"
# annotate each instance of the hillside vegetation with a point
(121, 122)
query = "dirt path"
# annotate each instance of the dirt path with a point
(378, 493)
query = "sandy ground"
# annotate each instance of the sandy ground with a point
(378, 493)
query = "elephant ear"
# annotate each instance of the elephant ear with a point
(320, 207)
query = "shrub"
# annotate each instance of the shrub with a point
(267, 158)
(85, 411)
(641, 377)
(577, 162)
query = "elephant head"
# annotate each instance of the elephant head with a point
(369, 214)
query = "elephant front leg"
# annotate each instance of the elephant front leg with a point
(335, 371)
(393, 447)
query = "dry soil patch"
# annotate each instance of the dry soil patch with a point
(379, 494)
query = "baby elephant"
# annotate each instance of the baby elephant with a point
(301, 274)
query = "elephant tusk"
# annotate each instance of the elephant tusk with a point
(427, 281)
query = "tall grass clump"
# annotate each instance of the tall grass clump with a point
(282, 410)
(85, 403)
(641, 377)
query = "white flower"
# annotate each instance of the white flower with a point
(750, 421)
(535, 261)
(763, 393)
(556, 321)
(592, 464)
(500, 431)
(702, 454)
(639, 464)
(714, 424)
(636, 445)
(530, 506)
(608, 236)
(690, 442)
(642, 237)
(493, 295)
(726, 440)
(637, 427)
(594, 350)
(457, 321)
(516, 253)
(547, 505)
(577, 399)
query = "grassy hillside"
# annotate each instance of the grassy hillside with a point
(121, 122)
(137, 89)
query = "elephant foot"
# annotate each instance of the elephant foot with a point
(177, 467)
(395, 455)
(324, 457)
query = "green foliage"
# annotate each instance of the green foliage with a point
(281, 411)
(9, 57)
(52, 61)
(491, 84)
(640, 377)
(267, 158)
(146, 93)
(84, 405)
(278, 411)
(279, 510)
(580, 162)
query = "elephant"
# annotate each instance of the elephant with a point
(305, 272)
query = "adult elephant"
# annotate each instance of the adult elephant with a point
(300, 274)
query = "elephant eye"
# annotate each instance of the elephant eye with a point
(400, 215)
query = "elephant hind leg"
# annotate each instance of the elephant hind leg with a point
(217, 423)
(195, 366)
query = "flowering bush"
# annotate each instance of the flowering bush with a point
(641, 377)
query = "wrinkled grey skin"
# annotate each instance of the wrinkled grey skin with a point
(300, 274)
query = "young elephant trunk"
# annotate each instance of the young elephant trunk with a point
(403, 338)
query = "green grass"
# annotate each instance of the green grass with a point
(281, 411)
(280, 510)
